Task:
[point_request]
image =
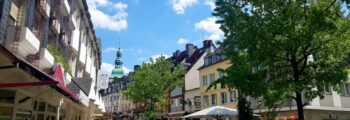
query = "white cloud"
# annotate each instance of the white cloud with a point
(159, 55)
(140, 51)
(182, 41)
(141, 59)
(210, 3)
(110, 50)
(107, 68)
(179, 6)
(126, 70)
(211, 27)
(101, 19)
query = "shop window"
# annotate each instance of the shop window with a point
(7, 96)
(35, 104)
(23, 115)
(40, 117)
(41, 106)
(51, 108)
(5, 113)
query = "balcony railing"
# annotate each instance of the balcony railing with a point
(64, 39)
(82, 57)
(28, 43)
(46, 59)
(64, 7)
(75, 41)
(55, 25)
(44, 7)
(176, 108)
(71, 22)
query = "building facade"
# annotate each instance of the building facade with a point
(181, 98)
(334, 104)
(192, 77)
(50, 59)
(117, 104)
(209, 73)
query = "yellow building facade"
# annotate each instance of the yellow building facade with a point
(216, 96)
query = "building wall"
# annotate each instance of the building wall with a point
(192, 84)
(192, 76)
(212, 69)
(36, 29)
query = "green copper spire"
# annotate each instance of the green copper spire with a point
(118, 72)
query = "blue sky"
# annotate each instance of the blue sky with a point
(150, 28)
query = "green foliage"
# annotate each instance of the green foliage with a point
(153, 81)
(151, 115)
(58, 58)
(278, 39)
(244, 110)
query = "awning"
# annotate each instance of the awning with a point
(15, 62)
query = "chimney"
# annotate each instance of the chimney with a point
(207, 43)
(176, 53)
(190, 48)
(136, 67)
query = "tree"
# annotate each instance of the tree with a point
(284, 49)
(244, 110)
(151, 84)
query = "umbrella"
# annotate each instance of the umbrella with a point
(213, 111)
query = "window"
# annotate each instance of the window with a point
(7, 96)
(42, 106)
(347, 88)
(206, 100)
(213, 99)
(209, 60)
(327, 89)
(204, 80)
(221, 74)
(223, 98)
(206, 61)
(212, 78)
(233, 95)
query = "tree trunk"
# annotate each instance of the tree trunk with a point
(300, 106)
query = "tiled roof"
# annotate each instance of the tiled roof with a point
(83, 84)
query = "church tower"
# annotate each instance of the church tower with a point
(118, 71)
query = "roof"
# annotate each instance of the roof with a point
(83, 84)
(218, 51)
(190, 60)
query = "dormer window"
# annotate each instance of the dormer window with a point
(206, 61)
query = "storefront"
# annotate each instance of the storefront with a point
(27, 93)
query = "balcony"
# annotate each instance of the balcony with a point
(46, 59)
(88, 65)
(44, 7)
(64, 39)
(68, 78)
(75, 41)
(71, 22)
(176, 108)
(28, 42)
(82, 57)
(55, 25)
(64, 8)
